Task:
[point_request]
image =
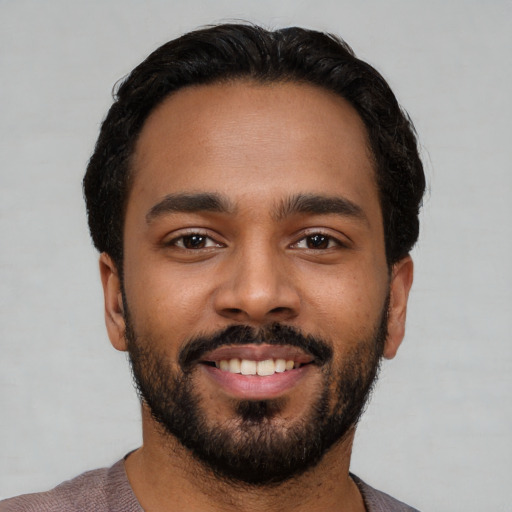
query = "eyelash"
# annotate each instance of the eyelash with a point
(332, 242)
(179, 241)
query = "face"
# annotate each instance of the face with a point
(257, 298)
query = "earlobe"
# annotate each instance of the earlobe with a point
(114, 314)
(401, 282)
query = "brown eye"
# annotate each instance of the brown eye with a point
(317, 241)
(194, 241)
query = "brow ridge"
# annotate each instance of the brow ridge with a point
(189, 203)
(317, 204)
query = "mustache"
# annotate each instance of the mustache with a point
(274, 334)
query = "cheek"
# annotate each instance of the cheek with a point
(347, 304)
(164, 301)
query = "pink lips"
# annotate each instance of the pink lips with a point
(255, 387)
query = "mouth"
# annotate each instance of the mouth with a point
(252, 367)
(256, 372)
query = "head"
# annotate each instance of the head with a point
(254, 196)
(227, 53)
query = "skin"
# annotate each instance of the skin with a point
(255, 145)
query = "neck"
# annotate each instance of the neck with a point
(165, 477)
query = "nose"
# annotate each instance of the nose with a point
(257, 289)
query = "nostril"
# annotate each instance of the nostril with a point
(233, 311)
(280, 310)
(258, 314)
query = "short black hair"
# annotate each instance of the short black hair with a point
(231, 52)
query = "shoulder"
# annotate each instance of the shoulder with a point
(105, 489)
(378, 501)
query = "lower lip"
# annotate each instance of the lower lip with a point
(254, 387)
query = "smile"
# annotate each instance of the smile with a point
(252, 367)
(257, 372)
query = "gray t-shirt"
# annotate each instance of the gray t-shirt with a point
(108, 490)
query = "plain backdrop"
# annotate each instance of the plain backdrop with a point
(437, 432)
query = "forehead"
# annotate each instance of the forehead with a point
(244, 139)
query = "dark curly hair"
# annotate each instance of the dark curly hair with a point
(237, 51)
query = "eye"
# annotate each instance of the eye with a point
(194, 241)
(317, 241)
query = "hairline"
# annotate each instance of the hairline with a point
(248, 80)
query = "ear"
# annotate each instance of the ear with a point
(401, 281)
(114, 314)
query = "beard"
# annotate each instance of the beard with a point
(256, 447)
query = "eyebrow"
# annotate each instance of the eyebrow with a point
(189, 203)
(319, 205)
(297, 204)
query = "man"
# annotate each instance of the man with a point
(254, 196)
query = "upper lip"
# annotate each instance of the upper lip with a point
(258, 353)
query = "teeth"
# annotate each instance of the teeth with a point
(280, 365)
(234, 366)
(248, 367)
(266, 367)
(261, 368)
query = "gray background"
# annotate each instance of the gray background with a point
(437, 433)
